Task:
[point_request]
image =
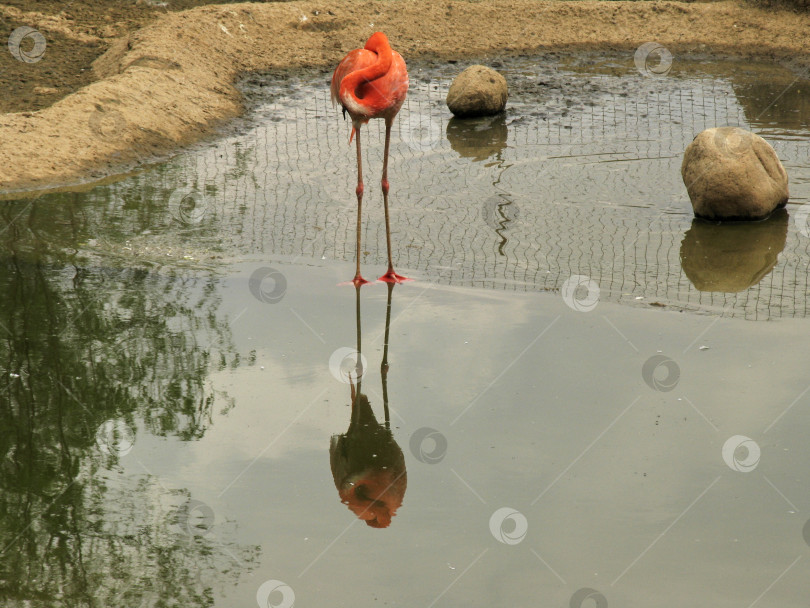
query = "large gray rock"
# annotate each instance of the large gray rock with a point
(477, 91)
(733, 174)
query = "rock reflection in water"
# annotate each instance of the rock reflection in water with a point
(478, 138)
(732, 257)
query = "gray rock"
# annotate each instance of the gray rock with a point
(477, 91)
(733, 174)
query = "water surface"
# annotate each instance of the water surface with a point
(170, 389)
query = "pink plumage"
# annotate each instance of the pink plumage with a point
(371, 82)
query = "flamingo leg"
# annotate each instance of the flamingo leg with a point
(390, 276)
(359, 280)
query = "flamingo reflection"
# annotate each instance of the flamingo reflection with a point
(368, 466)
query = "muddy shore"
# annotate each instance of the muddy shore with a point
(172, 82)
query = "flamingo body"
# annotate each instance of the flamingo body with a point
(371, 82)
(365, 99)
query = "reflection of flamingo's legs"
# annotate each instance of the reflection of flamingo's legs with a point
(355, 399)
(384, 364)
(354, 393)
(358, 368)
(359, 365)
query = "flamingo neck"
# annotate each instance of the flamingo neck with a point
(350, 85)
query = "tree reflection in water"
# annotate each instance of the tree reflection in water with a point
(88, 353)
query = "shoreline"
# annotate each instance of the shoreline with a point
(173, 83)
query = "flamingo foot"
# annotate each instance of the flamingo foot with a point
(357, 281)
(393, 277)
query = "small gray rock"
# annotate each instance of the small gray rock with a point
(477, 91)
(733, 174)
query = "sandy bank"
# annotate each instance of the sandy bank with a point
(172, 82)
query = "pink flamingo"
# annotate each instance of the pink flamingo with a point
(372, 83)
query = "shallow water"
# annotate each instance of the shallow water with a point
(171, 384)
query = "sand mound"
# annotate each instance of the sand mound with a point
(172, 82)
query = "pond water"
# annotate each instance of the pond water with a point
(593, 400)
